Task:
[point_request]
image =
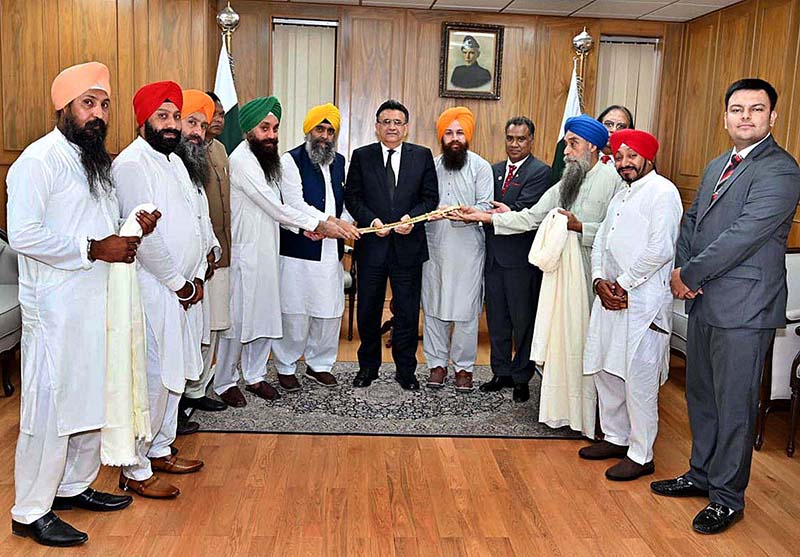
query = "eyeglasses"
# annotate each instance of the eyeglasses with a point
(388, 122)
(612, 126)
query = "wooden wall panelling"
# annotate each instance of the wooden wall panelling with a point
(696, 101)
(126, 74)
(667, 117)
(250, 51)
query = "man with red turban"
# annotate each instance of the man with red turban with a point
(62, 221)
(452, 278)
(627, 344)
(172, 269)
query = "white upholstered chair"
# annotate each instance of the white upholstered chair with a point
(10, 316)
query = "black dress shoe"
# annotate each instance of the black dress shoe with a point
(185, 427)
(49, 530)
(93, 500)
(716, 518)
(203, 403)
(407, 382)
(496, 383)
(521, 392)
(677, 487)
(365, 377)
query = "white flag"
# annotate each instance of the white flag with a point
(223, 85)
(573, 106)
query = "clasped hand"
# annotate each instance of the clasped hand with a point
(679, 288)
(611, 294)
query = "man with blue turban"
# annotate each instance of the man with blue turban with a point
(582, 195)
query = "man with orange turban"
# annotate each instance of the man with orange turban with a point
(62, 221)
(627, 344)
(452, 279)
(171, 274)
(198, 111)
(313, 182)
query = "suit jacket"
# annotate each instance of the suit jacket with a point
(531, 180)
(366, 197)
(734, 247)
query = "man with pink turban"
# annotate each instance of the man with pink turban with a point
(627, 344)
(62, 221)
(452, 278)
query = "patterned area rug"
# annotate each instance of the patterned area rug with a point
(385, 409)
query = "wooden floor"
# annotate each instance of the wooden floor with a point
(287, 495)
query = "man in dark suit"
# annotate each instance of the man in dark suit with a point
(730, 270)
(512, 284)
(390, 181)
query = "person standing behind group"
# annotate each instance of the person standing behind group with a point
(614, 118)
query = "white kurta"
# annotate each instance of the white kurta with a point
(170, 256)
(256, 214)
(51, 216)
(635, 246)
(598, 188)
(452, 277)
(313, 288)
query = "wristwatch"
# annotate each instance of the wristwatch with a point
(89, 242)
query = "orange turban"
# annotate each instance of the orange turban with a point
(151, 96)
(463, 115)
(195, 100)
(76, 80)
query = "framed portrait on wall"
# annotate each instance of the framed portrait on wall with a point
(471, 61)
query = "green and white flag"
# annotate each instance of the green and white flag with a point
(225, 89)
(574, 107)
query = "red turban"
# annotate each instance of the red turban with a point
(641, 142)
(151, 96)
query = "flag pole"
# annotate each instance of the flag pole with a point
(228, 21)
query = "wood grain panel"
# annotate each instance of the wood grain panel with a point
(666, 122)
(170, 50)
(250, 51)
(696, 103)
(24, 83)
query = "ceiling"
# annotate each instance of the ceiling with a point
(663, 10)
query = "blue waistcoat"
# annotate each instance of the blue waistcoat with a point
(297, 245)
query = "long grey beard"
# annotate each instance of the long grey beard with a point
(571, 180)
(320, 152)
(195, 159)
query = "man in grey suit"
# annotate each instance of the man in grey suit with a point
(730, 270)
(512, 283)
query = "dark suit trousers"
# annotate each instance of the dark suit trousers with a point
(723, 374)
(406, 287)
(511, 299)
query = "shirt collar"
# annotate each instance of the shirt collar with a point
(747, 150)
(517, 164)
(643, 180)
(385, 149)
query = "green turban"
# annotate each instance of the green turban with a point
(256, 110)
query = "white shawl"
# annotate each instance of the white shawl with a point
(562, 316)
(127, 408)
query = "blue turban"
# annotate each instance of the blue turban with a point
(588, 128)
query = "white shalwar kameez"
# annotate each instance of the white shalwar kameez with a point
(256, 214)
(312, 292)
(635, 246)
(452, 277)
(51, 216)
(169, 257)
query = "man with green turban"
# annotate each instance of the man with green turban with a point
(256, 215)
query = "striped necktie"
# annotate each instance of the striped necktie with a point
(511, 169)
(735, 160)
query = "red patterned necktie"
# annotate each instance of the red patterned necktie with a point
(605, 158)
(735, 160)
(509, 176)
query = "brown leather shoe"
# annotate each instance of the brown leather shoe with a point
(175, 465)
(626, 470)
(602, 451)
(436, 377)
(234, 397)
(464, 381)
(153, 487)
(288, 383)
(264, 390)
(324, 378)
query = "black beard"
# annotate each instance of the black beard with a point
(320, 151)
(266, 151)
(195, 159)
(156, 139)
(91, 142)
(574, 173)
(639, 172)
(454, 159)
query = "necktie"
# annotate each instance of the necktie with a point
(391, 180)
(605, 158)
(735, 160)
(509, 176)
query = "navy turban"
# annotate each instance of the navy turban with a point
(588, 128)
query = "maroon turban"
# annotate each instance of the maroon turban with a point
(151, 96)
(641, 142)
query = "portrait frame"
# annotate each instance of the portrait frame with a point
(463, 79)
